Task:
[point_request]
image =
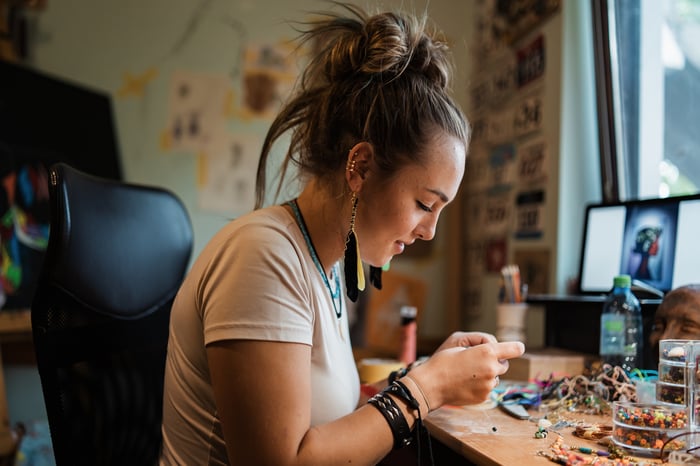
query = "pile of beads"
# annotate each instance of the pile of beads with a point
(647, 439)
(674, 363)
(670, 393)
(645, 428)
(661, 417)
(672, 373)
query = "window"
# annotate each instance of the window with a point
(648, 80)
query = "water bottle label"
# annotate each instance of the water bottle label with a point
(614, 324)
(612, 334)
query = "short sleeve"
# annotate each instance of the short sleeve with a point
(256, 287)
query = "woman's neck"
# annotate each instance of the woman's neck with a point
(326, 222)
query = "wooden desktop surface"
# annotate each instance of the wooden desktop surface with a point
(486, 436)
(15, 323)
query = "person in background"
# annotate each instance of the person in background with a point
(260, 368)
(677, 317)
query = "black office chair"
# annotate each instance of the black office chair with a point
(116, 256)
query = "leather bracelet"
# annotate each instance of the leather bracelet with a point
(401, 391)
(395, 375)
(394, 417)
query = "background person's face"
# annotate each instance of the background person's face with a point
(678, 317)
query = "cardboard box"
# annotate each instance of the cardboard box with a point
(544, 362)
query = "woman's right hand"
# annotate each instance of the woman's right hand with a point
(464, 376)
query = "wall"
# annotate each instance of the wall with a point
(570, 128)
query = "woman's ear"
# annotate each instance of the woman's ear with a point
(358, 165)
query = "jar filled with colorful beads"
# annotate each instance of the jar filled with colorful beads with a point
(643, 428)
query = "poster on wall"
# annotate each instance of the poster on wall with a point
(227, 173)
(269, 72)
(196, 111)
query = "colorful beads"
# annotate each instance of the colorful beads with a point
(668, 393)
(644, 428)
(671, 373)
(653, 416)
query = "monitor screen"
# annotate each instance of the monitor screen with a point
(654, 241)
(43, 120)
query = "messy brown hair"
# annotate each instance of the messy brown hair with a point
(383, 79)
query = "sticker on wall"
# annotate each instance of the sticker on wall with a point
(477, 170)
(496, 254)
(503, 79)
(533, 160)
(527, 117)
(135, 85)
(531, 61)
(501, 125)
(530, 214)
(502, 168)
(497, 215)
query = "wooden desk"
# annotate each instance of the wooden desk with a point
(469, 431)
(14, 326)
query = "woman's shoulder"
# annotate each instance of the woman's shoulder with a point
(262, 230)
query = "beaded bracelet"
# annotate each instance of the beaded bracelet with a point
(394, 416)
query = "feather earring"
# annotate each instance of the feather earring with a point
(354, 272)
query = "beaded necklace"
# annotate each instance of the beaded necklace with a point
(335, 294)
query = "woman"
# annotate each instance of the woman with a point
(260, 368)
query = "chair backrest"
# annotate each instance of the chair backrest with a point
(116, 256)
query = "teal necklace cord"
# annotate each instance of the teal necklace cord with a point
(335, 295)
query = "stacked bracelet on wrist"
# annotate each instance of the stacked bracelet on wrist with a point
(394, 416)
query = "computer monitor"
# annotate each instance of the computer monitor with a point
(655, 241)
(43, 120)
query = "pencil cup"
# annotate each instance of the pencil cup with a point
(510, 321)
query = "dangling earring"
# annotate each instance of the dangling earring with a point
(354, 273)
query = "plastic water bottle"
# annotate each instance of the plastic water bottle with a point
(621, 335)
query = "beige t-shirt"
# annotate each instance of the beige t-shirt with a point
(254, 280)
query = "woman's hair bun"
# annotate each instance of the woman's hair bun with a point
(386, 46)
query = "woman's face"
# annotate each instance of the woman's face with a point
(392, 214)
